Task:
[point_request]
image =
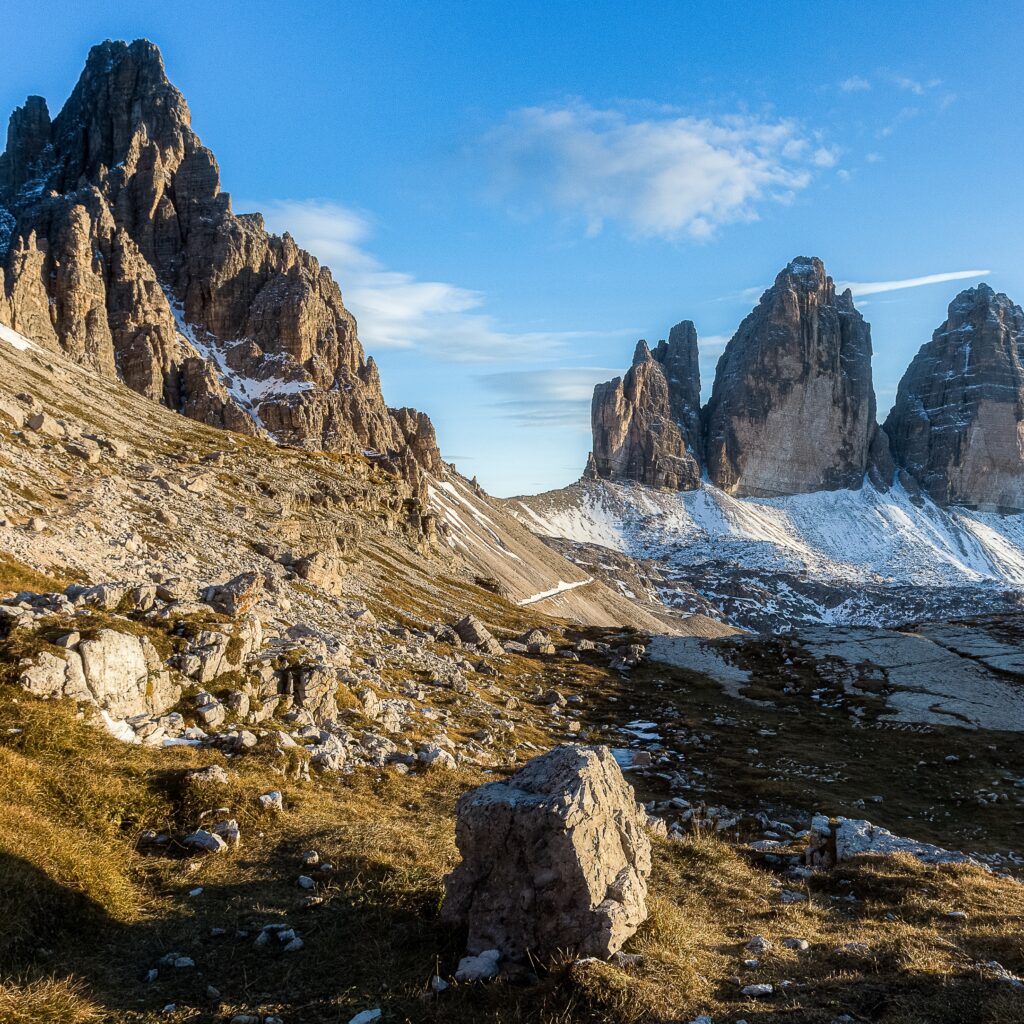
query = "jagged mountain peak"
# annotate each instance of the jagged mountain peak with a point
(792, 408)
(647, 424)
(119, 249)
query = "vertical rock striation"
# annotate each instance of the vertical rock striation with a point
(119, 249)
(958, 423)
(646, 425)
(792, 408)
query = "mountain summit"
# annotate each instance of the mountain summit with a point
(792, 409)
(119, 249)
(647, 424)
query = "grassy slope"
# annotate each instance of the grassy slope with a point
(82, 908)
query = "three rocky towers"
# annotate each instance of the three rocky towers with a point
(792, 409)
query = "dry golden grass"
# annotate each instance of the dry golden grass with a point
(74, 892)
(47, 1001)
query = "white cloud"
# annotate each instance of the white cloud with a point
(396, 309)
(558, 396)
(662, 175)
(825, 156)
(917, 86)
(855, 84)
(713, 342)
(874, 287)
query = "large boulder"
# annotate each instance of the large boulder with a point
(238, 596)
(118, 672)
(555, 858)
(472, 631)
(832, 842)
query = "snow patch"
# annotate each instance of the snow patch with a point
(14, 339)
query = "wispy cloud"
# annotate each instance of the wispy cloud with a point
(660, 175)
(396, 309)
(543, 398)
(855, 84)
(901, 117)
(919, 87)
(874, 287)
(825, 156)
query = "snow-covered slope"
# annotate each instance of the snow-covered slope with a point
(830, 556)
(531, 573)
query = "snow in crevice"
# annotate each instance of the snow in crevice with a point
(559, 588)
(452, 506)
(246, 392)
(7, 226)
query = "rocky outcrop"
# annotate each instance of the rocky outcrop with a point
(792, 409)
(555, 859)
(122, 674)
(119, 249)
(834, 842)
(646, 425)
(958, 423)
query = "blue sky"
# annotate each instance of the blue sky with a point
(510, 194)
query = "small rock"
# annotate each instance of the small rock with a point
(759, 990)
(272, 801)
(478, 968)
(366, 1017)
(208, 842)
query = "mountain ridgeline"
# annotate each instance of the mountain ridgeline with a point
(792, 409)
(119, 250)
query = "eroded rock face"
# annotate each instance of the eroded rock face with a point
(793, 409)
(554, 859)
(958, 423)
(119, 249)
(646, 425)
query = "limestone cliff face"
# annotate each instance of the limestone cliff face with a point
(646, 425)
(958, 423)
(118, 248)
(792, 408)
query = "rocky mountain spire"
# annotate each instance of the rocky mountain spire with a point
(792, 408)
(646, 425)
(119, 249)
(958, 423)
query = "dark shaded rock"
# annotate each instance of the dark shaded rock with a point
(958, 422)
(792, 409)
